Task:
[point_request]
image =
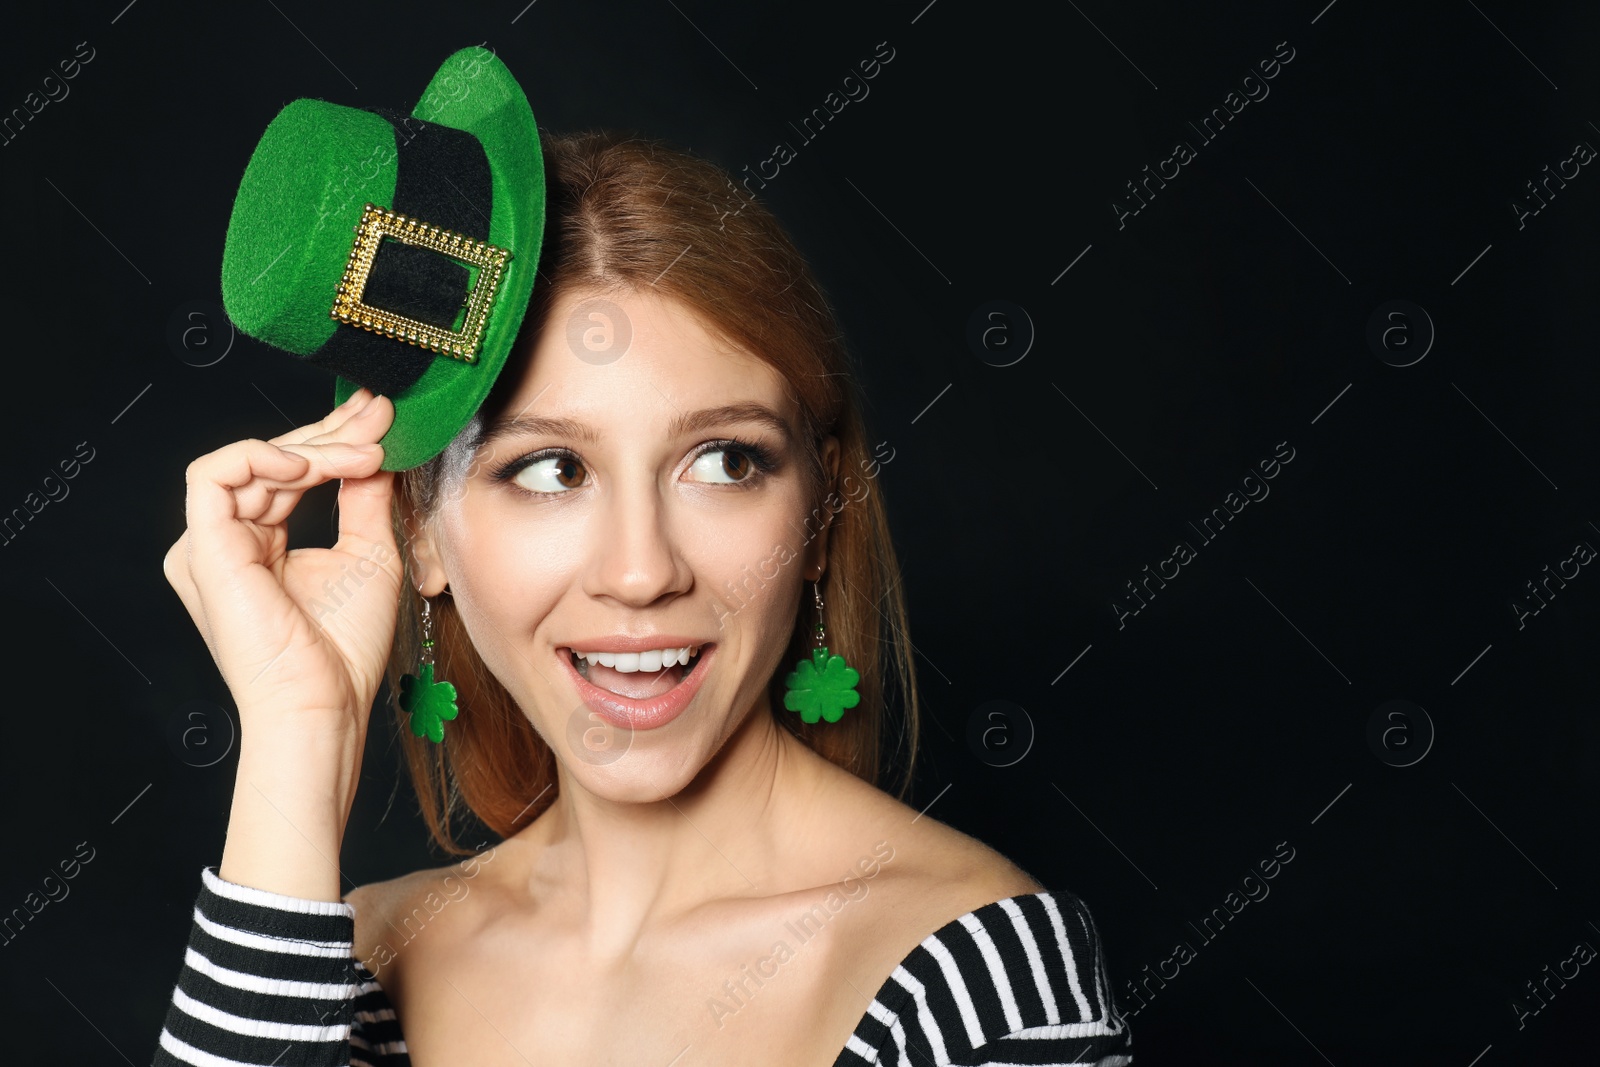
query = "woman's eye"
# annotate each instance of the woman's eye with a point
(553, 474)
(733, 467)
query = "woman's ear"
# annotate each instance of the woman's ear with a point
(427, 569)
(816, 553)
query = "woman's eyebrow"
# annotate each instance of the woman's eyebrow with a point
(691, 422)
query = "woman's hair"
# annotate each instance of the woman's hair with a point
(626, 213)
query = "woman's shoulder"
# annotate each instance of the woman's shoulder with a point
(928, 861)
(947, 919)
(925, 874)
(389, 913)
(939, 873)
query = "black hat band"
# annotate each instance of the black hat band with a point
(442, 177)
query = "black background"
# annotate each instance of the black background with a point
(1228, 315)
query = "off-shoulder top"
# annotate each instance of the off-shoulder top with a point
(269, 979)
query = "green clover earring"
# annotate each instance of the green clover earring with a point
(823, 686)
(429, 703)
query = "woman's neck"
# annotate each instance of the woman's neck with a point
(741, 827)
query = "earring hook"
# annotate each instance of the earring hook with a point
(821, 630)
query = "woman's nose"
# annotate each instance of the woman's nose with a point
(635, 559)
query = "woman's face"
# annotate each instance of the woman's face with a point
(608, 503)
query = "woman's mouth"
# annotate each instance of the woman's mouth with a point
(637, 675)
(638, 690)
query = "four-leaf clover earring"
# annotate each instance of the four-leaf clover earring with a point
(822, 686)
(428, 702)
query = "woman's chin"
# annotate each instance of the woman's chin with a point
(642, 774)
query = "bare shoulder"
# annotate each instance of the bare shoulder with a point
(927, 872)
(914, 875)
(389, 913)
(376, 902)
(950, 873)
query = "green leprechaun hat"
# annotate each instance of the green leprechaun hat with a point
(397, 251)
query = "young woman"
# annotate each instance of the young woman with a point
(622, 556)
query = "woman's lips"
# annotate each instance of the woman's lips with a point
(647, 712)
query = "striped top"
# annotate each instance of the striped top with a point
(272, 979)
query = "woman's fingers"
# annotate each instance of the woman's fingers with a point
(365, 424)
(265, 502)
(175, 565)
(260, 499)
(240, 496)
(344, 412)
(219, 515)
(364, 522)
(364, 502)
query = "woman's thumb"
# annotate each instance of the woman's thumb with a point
(364, 509)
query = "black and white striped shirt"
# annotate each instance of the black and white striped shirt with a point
(272, 979)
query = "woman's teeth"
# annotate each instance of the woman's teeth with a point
(628, 662)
